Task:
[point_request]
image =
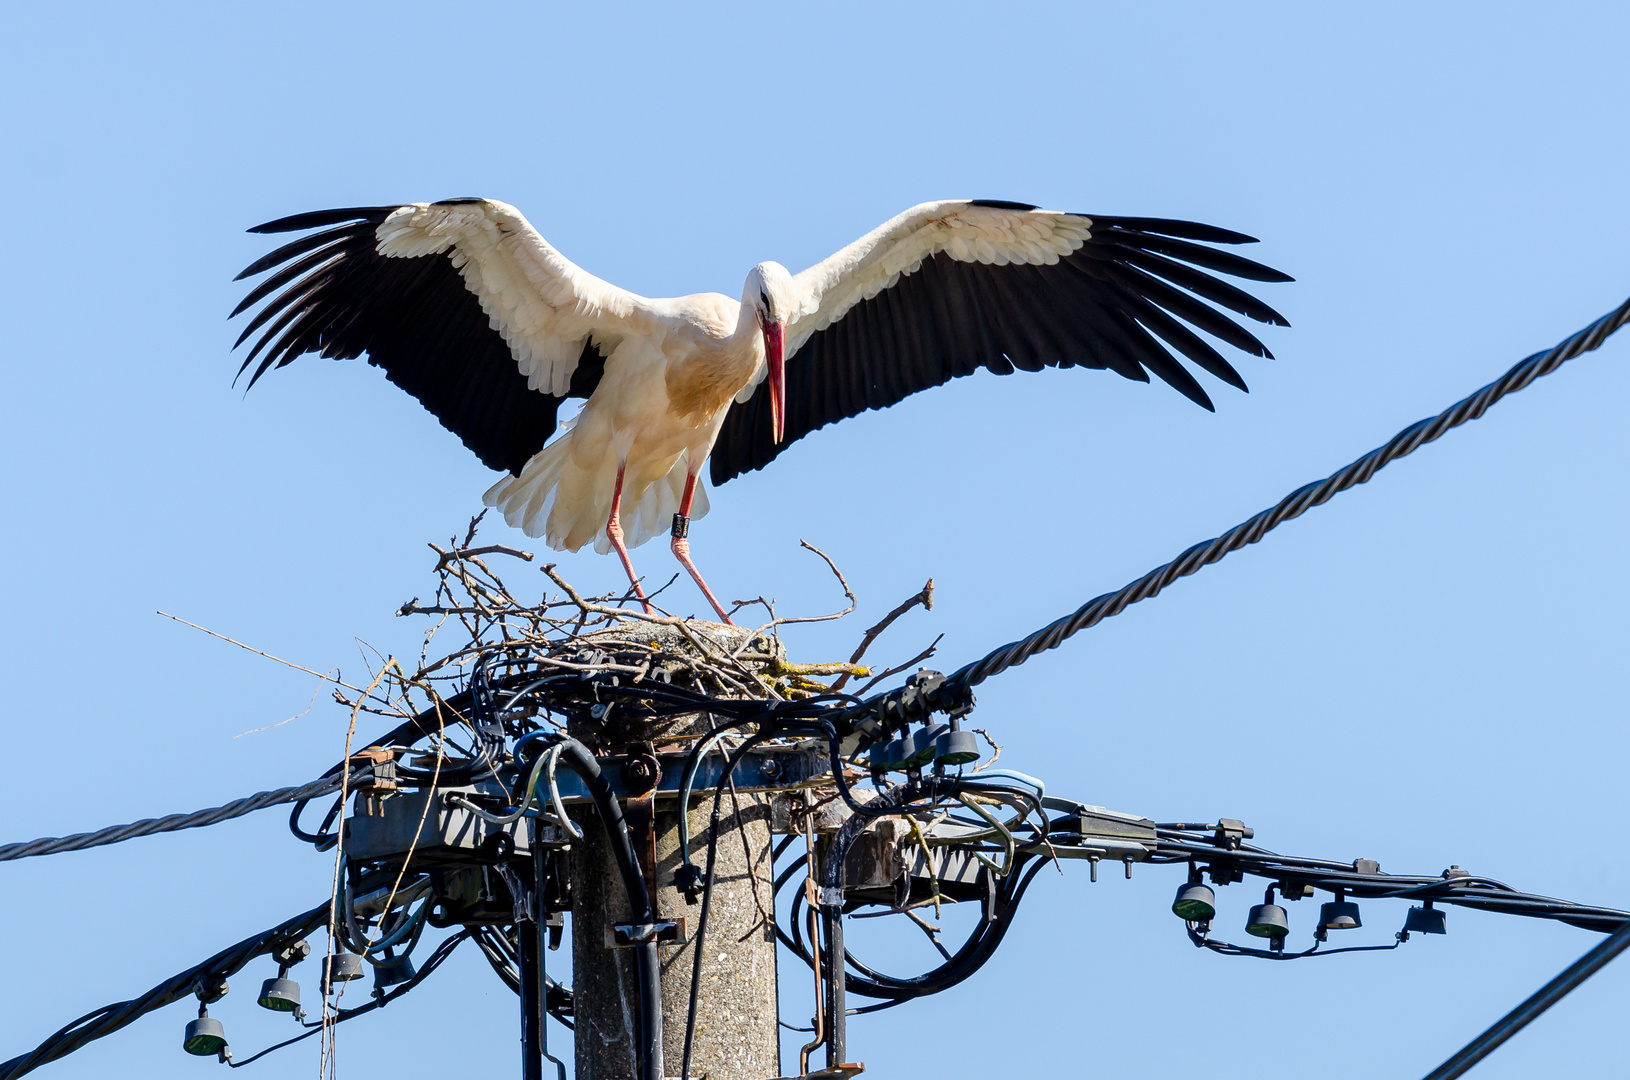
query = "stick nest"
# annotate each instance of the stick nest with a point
(564, 638)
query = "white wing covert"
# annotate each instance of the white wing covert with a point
(968, 231)
(462, 304)
(544, 305)
(949, 288)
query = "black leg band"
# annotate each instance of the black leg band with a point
(681, 527)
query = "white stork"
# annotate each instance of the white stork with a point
(466, 307)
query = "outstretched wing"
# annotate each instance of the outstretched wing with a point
(948, 288)
(462, 304)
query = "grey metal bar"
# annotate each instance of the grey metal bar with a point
(760, 770)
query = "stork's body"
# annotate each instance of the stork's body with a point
(469, 309)
(628, 464)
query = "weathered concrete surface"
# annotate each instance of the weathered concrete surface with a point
(736, 1036)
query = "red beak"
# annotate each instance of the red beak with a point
(775, 341)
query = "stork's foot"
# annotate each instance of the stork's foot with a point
(681, 550)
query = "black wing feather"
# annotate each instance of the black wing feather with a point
(297, 247)
(316, 219)
(1133, 295)
(414, 318)
(1188, 230)
(1224, 262)
(285, 275)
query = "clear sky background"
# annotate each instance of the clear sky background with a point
(1429, 670)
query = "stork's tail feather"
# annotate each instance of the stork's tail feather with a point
(527, 501)
(568, 505)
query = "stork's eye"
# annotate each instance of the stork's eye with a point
(764, 302)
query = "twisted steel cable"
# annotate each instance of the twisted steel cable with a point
(1290, 507)
(110, 1018)
(113, 834)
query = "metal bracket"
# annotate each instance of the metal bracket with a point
(836, 1072)
(443, 832)
(760, 770)
(642, 773)
(628, 935)
(1103, 834)
(1230, 831)
(286, 956)
(384, 770)
(209, 988)
(371, 792)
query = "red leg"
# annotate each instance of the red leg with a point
(681, 547)
(614, 531)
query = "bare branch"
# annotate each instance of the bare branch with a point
(267, 655)
(842, 581)
(919, 658)
(447, 557)
(925, 597)
(995, 747)
(474, 522)
(839, 667)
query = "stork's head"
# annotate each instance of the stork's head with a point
(771, 296)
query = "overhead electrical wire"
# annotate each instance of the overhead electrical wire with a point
(955, 689)
(1457, 889)
(113, 834)
(432, 962)
(833, 718)
(1542, 999)
(1297, 503)
(110, 1018)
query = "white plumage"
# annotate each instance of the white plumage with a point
(939, 291)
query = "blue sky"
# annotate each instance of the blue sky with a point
(1429, 670)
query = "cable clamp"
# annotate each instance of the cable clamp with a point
(1230, 832)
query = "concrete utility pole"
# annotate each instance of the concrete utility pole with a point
(736, 1035)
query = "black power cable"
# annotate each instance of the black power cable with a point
(641, 904)
(434, 961)
(1458, 889)
(110, 1018)
(113, 834)
(955, 691)
(500, 955)
(1297, 503)
(1001, 903)
(1542, 999)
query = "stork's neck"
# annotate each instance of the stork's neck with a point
(747, 329)
(706, 382)
(743, 351)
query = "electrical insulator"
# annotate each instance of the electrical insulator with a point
(1426, 920)
(1195, 902)
(920, 746)
(205, 1036)
(341, 967)
(1339, 914)
(279, 995)
(1267, 919)
(389, 975)
(956, 747)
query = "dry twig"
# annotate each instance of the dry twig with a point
(925, 597)
(896, 669)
